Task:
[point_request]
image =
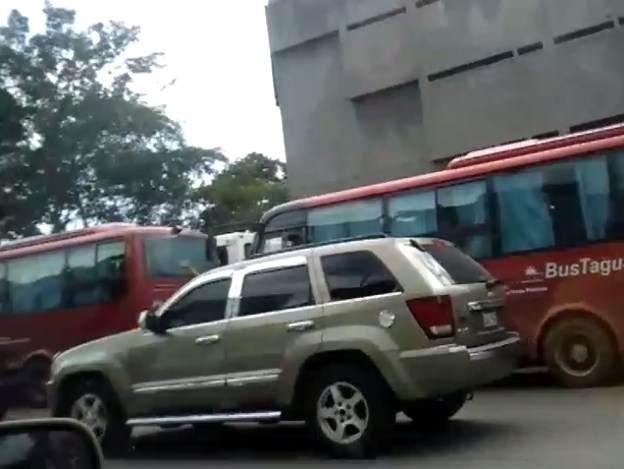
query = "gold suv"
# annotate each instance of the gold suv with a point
(343, 336)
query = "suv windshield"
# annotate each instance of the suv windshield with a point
(175, 256)
(460, 267)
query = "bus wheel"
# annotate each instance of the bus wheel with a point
(580, 353)
(36, 374)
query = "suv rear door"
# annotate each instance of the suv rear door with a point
(478, 298)
(274, 321)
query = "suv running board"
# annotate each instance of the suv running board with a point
(208, 418)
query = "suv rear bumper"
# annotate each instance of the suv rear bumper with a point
(450, 368)
(492, 362)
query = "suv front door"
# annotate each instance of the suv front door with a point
(181, 370)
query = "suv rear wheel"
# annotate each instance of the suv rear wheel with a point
(435, 411)
(349, 410)
(580, 353)
(92, 403)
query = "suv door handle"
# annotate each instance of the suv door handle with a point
(300, 326)
(207, 340)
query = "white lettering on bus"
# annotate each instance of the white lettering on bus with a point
(584, 266)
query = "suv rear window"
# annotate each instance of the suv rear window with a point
(461, 267)
(357, 274)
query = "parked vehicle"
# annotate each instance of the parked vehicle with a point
(234, 247)
(12, 382)
(64, 289)
(343, 335)
(545, 216)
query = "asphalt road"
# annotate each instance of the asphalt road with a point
(524, 423)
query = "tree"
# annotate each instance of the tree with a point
(13, 169)
(244, 191)
(92, 150)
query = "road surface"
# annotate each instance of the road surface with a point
(525, 423)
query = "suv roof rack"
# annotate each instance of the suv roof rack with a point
(324, 243)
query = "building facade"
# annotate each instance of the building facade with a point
(373, 90)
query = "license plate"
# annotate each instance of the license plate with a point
(490, 319)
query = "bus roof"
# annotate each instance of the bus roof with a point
(534, 145)
(40, 242)
(473, 165)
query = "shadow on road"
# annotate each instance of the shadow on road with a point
(291, 442)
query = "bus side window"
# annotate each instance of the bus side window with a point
(36, 283)
(523, 212)
(82, 284)
(111, 268)
(616, 211)
(345, 220)
(463, 217)
(562, 204)
(412, 214)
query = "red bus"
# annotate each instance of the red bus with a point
(65, 289)
(546, 217)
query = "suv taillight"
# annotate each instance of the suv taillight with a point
(434, 315)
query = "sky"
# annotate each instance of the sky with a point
(218, 53)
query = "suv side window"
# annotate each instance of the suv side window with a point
(276, 290)
(206, 303)
(357, 275)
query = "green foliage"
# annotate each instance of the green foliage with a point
(244, 191)
(75, 141)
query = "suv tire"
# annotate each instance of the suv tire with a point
(349, 410)
(93, 403)
(580, 353)
(434, 411)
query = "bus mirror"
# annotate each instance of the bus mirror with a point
(211, 250)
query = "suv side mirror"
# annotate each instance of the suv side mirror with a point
(148, 321)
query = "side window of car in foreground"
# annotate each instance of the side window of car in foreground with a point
(276, 290)
(206, 303)
(357, 275)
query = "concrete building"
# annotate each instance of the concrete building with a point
(372, 90)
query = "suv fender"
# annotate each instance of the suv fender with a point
(369, 342)
(102, 367)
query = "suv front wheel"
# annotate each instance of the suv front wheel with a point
(434, 411)
(93, 403)
(349, 410)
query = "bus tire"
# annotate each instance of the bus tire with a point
(114, 437)
(580, 353)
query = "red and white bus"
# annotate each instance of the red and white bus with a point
(546, 217)
(65, 289)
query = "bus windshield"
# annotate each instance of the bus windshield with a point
(175, 256)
